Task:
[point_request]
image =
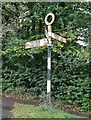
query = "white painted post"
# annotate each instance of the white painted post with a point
(49, 69)
(49, 59)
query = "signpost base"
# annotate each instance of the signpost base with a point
(49, 99)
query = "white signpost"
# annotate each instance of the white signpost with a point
(43, 42)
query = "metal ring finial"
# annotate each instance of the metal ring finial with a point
(46, 21)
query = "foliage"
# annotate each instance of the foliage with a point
(73, 80)
(24, 71)
(27, 73)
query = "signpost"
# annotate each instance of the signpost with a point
(47, 41)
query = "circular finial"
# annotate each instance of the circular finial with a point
(46, 19)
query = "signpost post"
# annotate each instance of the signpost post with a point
(49, 58)
(43, 42)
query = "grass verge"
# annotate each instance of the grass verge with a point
(31, 111)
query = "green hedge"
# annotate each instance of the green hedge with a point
(25, 71)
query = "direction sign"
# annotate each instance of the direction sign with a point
(55, 36)
(36, 43)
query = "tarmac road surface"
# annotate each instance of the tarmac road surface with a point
(7, 104)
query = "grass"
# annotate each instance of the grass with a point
(31, 111)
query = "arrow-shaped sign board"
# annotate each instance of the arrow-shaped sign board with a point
(36, 43)
(55, 36)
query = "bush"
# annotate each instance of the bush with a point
(25, 71)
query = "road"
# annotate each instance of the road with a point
(7, 105)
